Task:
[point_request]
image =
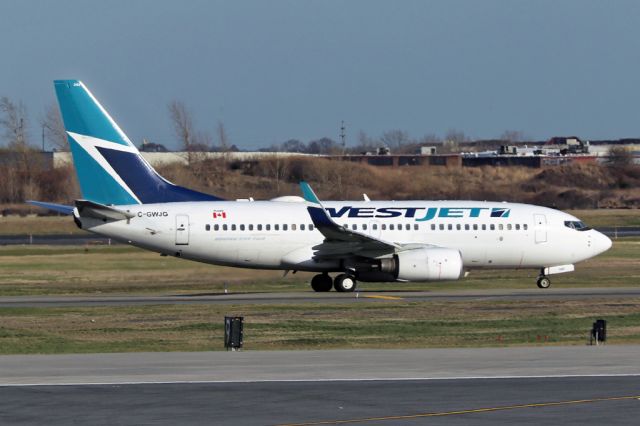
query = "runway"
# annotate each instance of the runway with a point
(330, 297)
(538, 385)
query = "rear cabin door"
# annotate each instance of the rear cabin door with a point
(182, 229)
(540, 223)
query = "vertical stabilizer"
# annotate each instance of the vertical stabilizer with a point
(109, 167)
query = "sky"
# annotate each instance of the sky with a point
(277, 70)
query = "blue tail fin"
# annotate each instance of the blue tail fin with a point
(109, 167)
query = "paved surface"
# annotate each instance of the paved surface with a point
(389, 387)
(566, 401)
(55, 239)
(320, 365)
(333, 297)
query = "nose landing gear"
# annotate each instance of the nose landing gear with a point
(543, 282)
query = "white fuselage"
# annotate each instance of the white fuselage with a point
(280, 235)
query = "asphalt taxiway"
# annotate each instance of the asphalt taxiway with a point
(330, 297)
(537, 385)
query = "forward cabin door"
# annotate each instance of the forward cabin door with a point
(540, 223)
(182, 229)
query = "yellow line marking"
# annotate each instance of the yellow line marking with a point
(384, 297)
(453, 413)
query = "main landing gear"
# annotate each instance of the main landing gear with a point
(342, 283)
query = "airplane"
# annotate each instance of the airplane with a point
(125, 199)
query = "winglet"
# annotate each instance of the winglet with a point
(308, 193)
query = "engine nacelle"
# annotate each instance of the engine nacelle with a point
(426, 264)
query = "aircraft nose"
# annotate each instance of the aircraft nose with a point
(601, 243)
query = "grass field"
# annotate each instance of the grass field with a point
(38, 270)
(365, 324)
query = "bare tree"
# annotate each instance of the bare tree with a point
(183, 126)
(223, 138)
(394, 139)
(14, 122)
(54, 128)
(182, 123)
(619, 157)
(512, 136)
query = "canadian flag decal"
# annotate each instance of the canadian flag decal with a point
(219, 214)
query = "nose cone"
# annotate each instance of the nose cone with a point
(600, 243)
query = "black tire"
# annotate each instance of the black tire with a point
(321, 283)
(543, 282)
(344, 283)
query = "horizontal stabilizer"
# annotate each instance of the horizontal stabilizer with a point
(100, 211)
(60, 208)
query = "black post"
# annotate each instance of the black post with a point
(233, 333)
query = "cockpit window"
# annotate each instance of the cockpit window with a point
(576, 224)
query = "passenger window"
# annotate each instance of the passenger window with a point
(224, 227)
(268, 227)
(207, 227)
(242, 227)
(441, 226)
(492, 227)
(233, 227)
(311, 227)
(500, 227)
(433, 226)
(475, 226)
(484, 227)
(508, 227)
(355, 227)
(259, 227)
(458, 226)
(517, 226)
(391, 228)
(293, 226)
(285, 227)
(276, 227)
(216, 227)
(383, 226)
(364, 226)
(375, 226)
(450, 227)
(466, 226)
(302, 227)
(525, 226)
(416, 227)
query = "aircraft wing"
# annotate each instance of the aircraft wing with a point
(340, 241)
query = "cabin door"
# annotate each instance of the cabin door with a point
(540, 226)
(182, 229)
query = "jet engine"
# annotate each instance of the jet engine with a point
(424, 264)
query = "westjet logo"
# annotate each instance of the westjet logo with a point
(421, 214)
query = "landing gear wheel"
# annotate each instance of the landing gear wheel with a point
(321, 282)
(543, 282)
(344, 283)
